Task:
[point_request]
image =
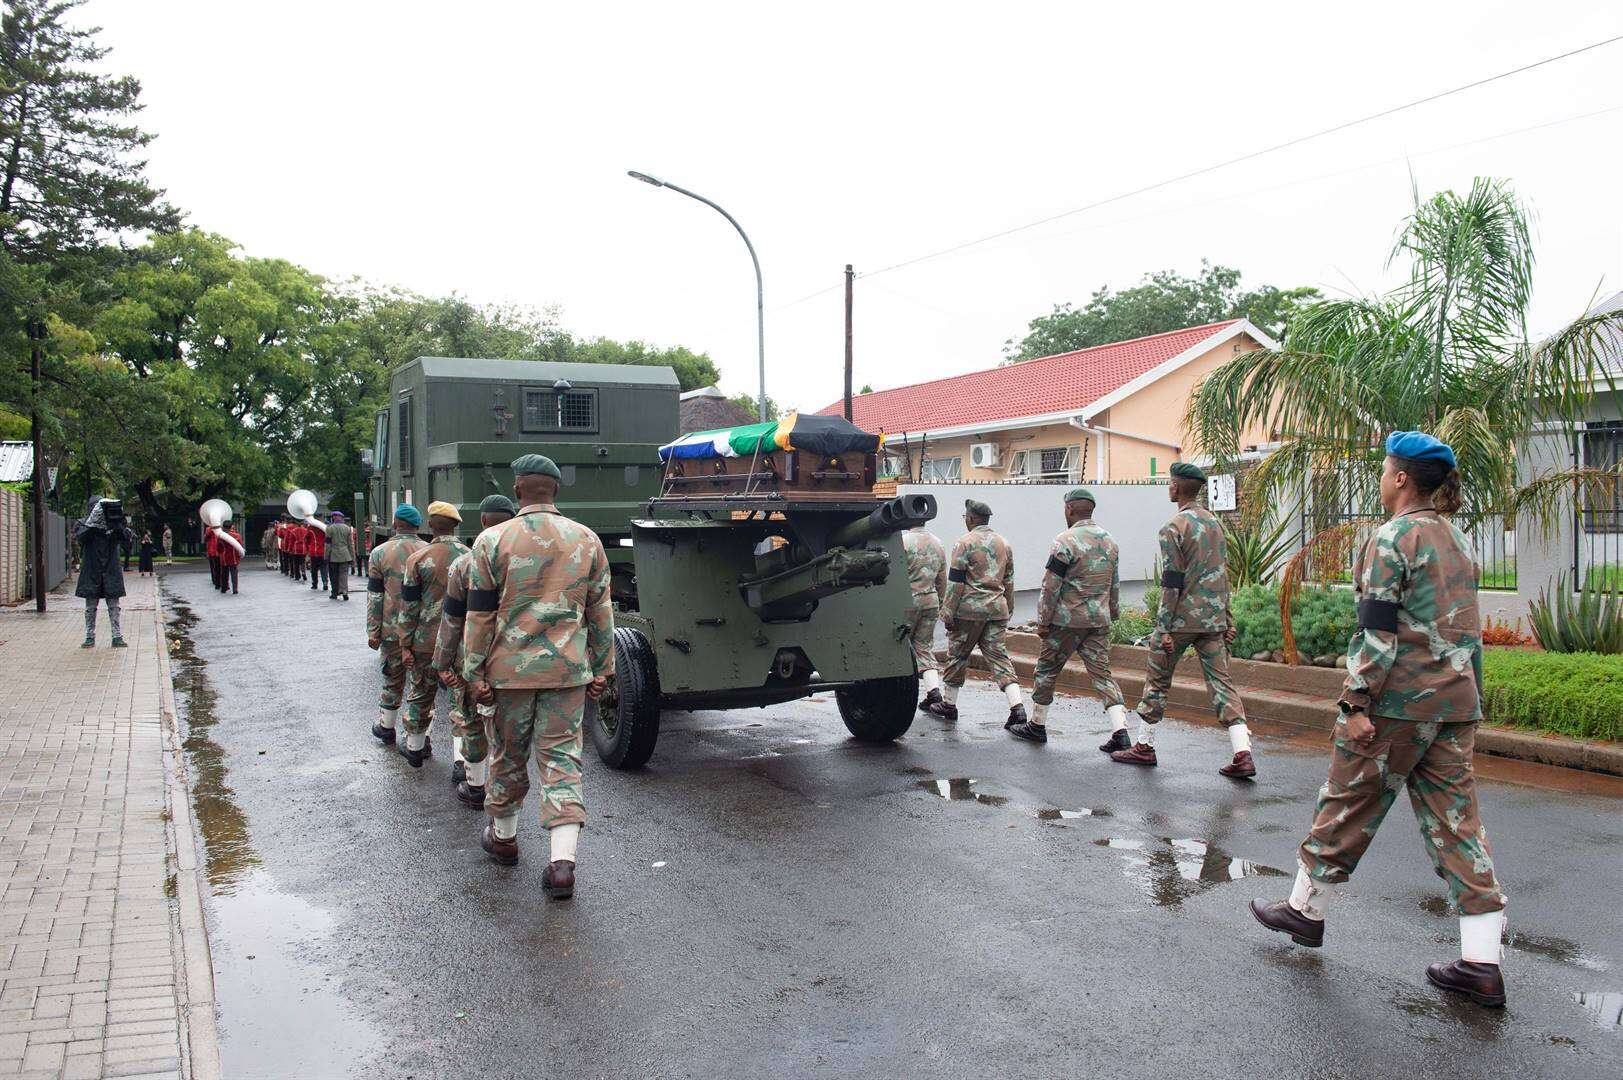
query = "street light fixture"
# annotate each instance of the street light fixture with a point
(760, 293)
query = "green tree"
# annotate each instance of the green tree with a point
(693, 370)
(747, 402)
(1163, 301)
(1447, 352)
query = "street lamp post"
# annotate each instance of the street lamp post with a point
(760, 293)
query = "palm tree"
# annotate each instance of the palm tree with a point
(1446, 352)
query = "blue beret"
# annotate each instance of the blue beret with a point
(409, 514)
(1418, 446)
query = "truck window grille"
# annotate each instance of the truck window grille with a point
(575, 411)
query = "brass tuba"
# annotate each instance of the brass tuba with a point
(214, 514)
(302, 505)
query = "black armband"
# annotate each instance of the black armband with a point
(957, 575)
(1057, 566)
(455, 607)
(483, 599)
(1172, 579)
(374, 584)
(411, 592)
(1378, 615)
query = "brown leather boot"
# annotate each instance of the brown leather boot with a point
(502, 851)
(939, 708)
(1241, 768)
(470, 795)
(1037, 733)
(929, 699)
(1285, 919)
(1482, 983)
(1017, 715)
(1140, 754)
(558, 879)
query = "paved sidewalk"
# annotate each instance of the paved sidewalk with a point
(104, 967)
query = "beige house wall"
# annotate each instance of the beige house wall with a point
(1155, 412)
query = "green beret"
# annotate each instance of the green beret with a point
(497, 504)
(536, 465)
(978, 508)
(409, 514)
(1078, 494)
(1185, 471)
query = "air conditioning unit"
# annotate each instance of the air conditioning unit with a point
(983, 455)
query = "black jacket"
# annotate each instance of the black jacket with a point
(100, 575)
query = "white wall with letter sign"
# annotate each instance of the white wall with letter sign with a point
(1220, 492)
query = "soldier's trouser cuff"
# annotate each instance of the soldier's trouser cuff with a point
(569, 813)
(1151, 710)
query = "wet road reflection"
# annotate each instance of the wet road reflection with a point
(1171, 870)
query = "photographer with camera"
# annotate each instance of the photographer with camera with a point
(101, 533)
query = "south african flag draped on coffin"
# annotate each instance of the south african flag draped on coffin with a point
(823, 435)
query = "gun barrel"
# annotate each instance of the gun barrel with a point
(902, 512)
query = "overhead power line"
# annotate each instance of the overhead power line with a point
(1227, 163)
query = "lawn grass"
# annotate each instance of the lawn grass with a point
(1574, 694)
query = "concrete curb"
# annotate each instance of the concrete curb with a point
(194, 965)
(1316, 711)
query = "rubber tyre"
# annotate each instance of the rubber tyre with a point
(879, 710)
(628, 742)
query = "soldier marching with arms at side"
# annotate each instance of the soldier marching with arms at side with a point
(422, 595)
(927, 577)
(469, 738)
(1080, 599)
(539, 644)
(385, 575)
(980, 598)
(1409, 713)
(1194, 614)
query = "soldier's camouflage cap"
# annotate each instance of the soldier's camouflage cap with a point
(978, 508)
(1078, 494)
(536, 465)
(497, 504)
(444, 509)
(409, 514)
(1185, 471)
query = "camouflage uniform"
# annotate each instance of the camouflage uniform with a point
(465, 721)
(1079, 601)
(980, 596)
(422, 592)
(1195, 611)
(927, 577)
(539, 627)
(385, 572)
(1415, 665)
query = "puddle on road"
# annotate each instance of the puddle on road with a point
(1558, 949)
(278, 1014)
(1052, 814)
(1604, 1008)
(1174, 869)
(960, 789)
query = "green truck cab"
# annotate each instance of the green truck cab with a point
(454, 425)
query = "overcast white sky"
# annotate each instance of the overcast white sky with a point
(481, 147)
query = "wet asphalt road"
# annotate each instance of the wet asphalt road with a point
(768, 897)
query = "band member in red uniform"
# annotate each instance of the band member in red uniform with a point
(211, 551)
(229, 558)
(316, 542)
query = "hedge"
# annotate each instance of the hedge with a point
(1322, 619)
(1576, 694)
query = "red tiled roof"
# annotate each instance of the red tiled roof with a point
(1066, 382)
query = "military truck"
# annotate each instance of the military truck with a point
(766, 570)
(454, 425)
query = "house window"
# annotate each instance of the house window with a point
(946, 470)
(1048, 463)
(404, 423)
(549, 410)
(1601, 447)
(893, 466)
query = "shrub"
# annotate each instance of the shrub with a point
(1576, 694)
(1502, 633)
(1133, 624)
(1323, 620)
(1592, 622)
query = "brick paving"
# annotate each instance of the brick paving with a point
(94, 941)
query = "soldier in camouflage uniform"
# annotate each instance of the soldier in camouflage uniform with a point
(467, 716)
(1409, 709)
(539, 644)
(385, 573)
(1080, 599)
(1194, 614)
(422, 594)
(927, 577)
(980, 598)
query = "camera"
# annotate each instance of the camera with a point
(113, 511)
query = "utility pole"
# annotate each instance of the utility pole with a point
(848, 278)
(34, 433)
